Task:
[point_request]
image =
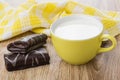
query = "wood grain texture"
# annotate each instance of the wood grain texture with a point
(104, 66)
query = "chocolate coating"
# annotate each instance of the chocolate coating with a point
(27, 44)
(34, 58)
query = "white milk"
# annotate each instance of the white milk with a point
(77, 31)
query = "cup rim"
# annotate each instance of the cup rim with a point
(76, 15)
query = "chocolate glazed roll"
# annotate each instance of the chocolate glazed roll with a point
(34, 58)
(27, 44)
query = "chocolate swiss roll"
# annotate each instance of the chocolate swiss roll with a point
(27, 44)
(34, 58)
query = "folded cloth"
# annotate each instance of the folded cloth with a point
(39, 16)
(27, 43)
(34, 58)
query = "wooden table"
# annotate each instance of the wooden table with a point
(105, 66)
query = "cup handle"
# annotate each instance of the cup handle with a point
(113, 40)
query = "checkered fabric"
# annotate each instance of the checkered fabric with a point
(37, 17)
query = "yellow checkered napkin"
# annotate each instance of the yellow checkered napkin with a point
(38, 17)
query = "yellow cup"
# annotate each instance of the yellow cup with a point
(80, 51)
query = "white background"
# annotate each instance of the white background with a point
(94, 3)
